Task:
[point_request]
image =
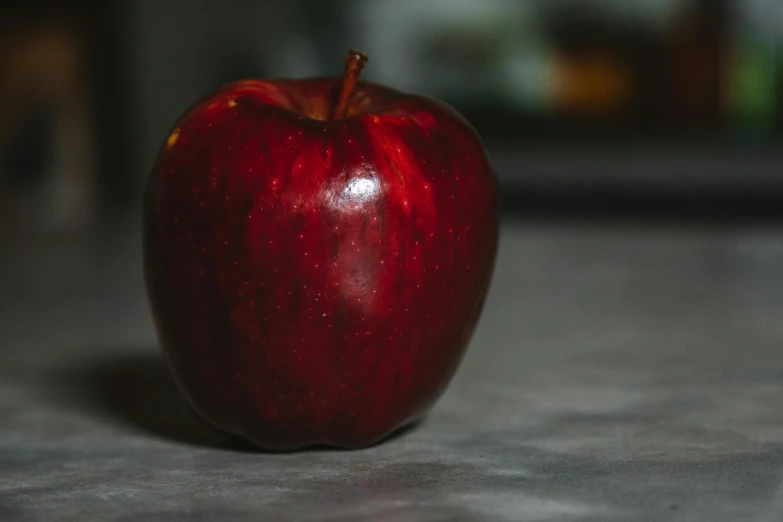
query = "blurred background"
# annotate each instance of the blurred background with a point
(650, 106)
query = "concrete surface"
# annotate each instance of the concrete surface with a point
(618, 374)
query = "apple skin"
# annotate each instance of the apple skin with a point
(316, 282)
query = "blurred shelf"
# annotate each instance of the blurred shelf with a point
(637, 167)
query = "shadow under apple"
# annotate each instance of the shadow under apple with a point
(136, 389)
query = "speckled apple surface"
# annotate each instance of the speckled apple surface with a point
(316, 281)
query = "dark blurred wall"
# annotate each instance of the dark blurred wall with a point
(560, 90)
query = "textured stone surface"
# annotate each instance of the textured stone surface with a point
(618, 374)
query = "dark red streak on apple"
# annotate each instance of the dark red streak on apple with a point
(316, 281)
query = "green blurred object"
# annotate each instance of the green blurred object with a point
(754, 96)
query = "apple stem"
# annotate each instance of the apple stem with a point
(354, 63)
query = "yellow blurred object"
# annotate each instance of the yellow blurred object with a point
(593, 84)
(44, 65)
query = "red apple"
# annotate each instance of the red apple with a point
(317, 255)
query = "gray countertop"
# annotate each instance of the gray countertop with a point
(618, 374)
